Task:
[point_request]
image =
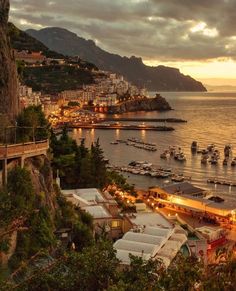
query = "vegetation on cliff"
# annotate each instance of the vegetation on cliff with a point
(52, 79)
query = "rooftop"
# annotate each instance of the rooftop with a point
(88, 194)
(150, 219)
(150, 242)
(97, 211)
(183, 188)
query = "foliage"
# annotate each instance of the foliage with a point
(97, 268)
(53, 79)
(4, 245)
(116, 178)
(18, 198)
(79, 167)
(20, 189)
(34, 124)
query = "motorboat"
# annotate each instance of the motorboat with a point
(177, 179)
(210, 147)
(233, 163)
(213, 161)
(227, 150)
(180, 157)
(205, 151)
(204, 160)
(164, 175)
(114, 142)
(194, 146)
(164, 155)
(225, 162)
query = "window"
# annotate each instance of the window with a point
(115, 223)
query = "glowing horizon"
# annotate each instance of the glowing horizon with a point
(211, 71)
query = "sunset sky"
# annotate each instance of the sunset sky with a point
(197, 36)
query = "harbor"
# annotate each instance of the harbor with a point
(143, 168)
(187, 107)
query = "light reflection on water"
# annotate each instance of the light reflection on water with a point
(211, 119)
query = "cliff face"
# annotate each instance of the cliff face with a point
(9, 100)
(145, 104)
(42, 179)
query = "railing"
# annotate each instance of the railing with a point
(16, 150)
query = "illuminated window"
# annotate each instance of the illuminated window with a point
(115, 223)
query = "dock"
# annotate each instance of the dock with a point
(141, 119)
(122, 127)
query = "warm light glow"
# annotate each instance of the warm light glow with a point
(218, 68)
(117, 133)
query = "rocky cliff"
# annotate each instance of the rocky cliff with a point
(40, 172)
(9, 101)
(158, 103)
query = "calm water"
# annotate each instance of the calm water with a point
(211, 119)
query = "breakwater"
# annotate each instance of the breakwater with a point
(122, 127)
(140, 119)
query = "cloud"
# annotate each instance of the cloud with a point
(167, 30)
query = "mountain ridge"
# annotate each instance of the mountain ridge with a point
(160, 78)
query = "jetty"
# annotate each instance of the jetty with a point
(221, 182)
(122, 127)
(141, 119)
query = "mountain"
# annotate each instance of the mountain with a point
(52, 78)
(23, 41)
(160, 78)
(9, 101)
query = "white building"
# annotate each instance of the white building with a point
(150, 242)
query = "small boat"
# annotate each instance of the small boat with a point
(225, 162)
(177, 179)
(233, 163)
(114, 142)
(204, 160)
(210, 147)
(205, 151)
(164, 175)
(227, 150)
(164, 155)
(213, 161)
(194, 146)
(180, 157)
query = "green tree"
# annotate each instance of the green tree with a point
(20, 188)
(34, 125)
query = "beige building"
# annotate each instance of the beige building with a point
(190, 198)
(102, 207)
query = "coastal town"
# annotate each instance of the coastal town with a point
(108, 90)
